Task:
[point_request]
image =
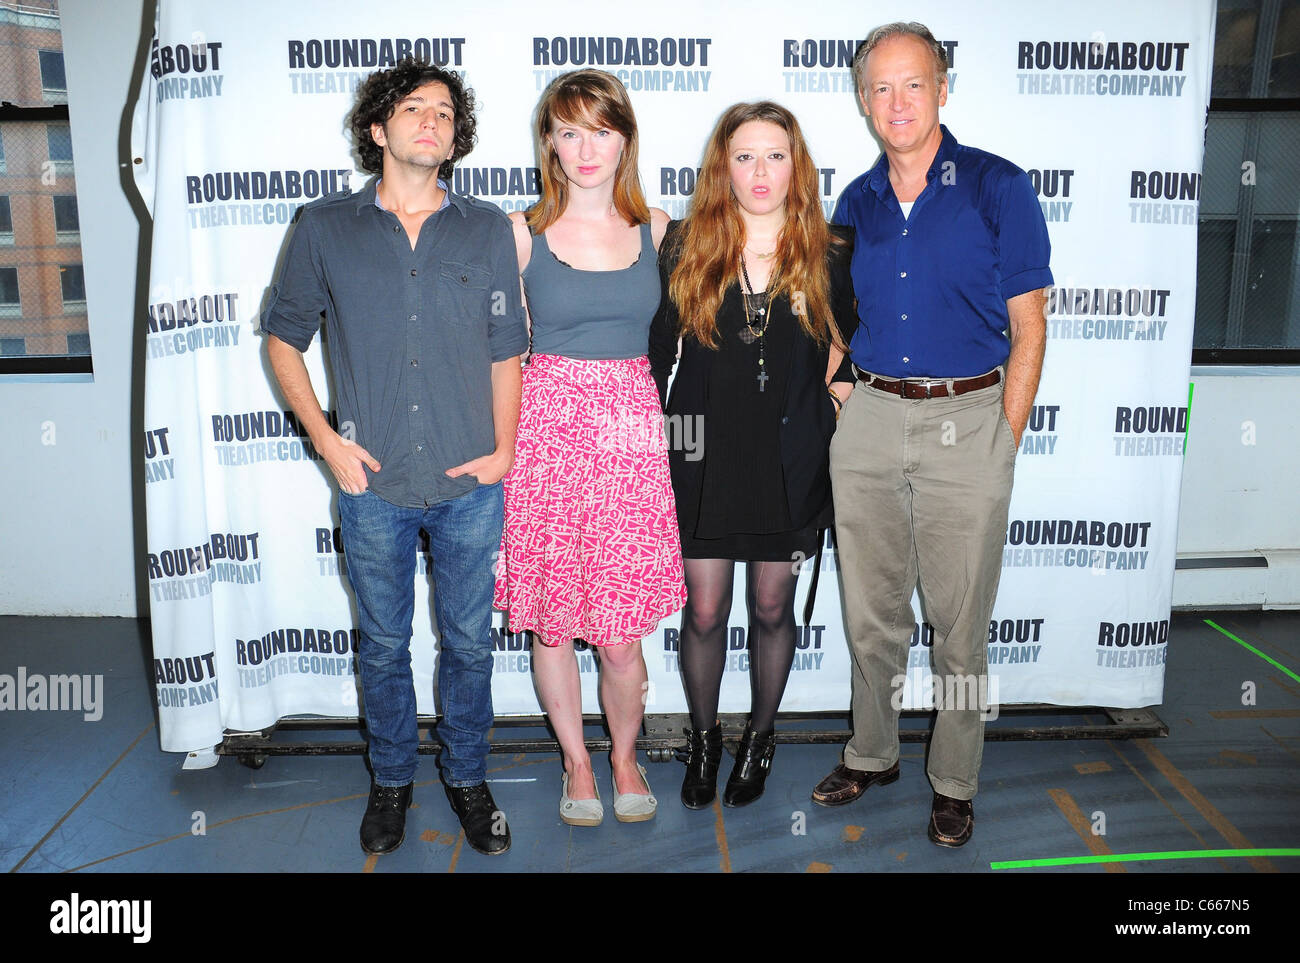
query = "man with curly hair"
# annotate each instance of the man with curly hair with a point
(424, 325)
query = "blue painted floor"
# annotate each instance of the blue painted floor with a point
(103, 797)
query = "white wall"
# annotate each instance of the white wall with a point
(73, 512)
(1240, 487)
(73, 525)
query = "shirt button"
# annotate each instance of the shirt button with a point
(416, 364)
(413, 317)
(903, 316)
(417, 407)
(902, 274)
(464, 279)
(412, 272)
(396, 228)
(904, 232)
(785, 421)
(419, 448)
(906, 360)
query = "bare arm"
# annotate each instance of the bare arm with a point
(1028, 332)
(507, 381)
(344, 457)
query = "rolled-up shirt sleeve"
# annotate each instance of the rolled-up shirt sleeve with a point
(298, 299)
(507, 328)
(1024, 248)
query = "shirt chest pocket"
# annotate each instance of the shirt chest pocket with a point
(463, 295)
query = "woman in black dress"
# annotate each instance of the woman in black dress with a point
(756, 287)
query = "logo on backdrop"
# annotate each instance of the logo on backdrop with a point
(1053, 189)
(807, 643)
(238, 198)
(1151, 194)
(185, 681)
(1101, 68)
(1150, 430)
(818, 66)
(1040, 431)
(329, 551)
(677, 184)
(330, 66)
(1103, 546)
(673, 64)
(193, 323)
(1012, 641)
(295, 651)
(1107, 314)
(159, 465)
(186, 71)
(1132, 645)
(509, 188)
(251, 437)
(189, 571)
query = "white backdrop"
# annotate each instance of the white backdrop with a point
(241, 119)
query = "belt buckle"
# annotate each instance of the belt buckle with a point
(928, 385)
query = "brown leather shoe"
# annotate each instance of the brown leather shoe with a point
(844, 785)
(951, 821)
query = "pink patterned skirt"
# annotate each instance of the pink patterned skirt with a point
(590, 548)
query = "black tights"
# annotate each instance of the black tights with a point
(770, 597)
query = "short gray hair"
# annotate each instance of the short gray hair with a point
(899, 29)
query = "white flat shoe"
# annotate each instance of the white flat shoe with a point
(579, 812)
(631, 807)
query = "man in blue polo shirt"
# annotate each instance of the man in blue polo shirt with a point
(425, 325)
(949, 266)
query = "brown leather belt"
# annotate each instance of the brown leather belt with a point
(915, 388)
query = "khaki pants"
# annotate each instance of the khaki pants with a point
(921, 492)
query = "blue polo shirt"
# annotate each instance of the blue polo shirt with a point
(932, 288)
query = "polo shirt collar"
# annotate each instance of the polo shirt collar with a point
(366, 197)
(878, 177)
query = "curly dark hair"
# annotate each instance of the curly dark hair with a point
(377, 98)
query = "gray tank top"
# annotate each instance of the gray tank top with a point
(591, 315)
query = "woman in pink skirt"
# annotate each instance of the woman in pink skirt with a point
(590, 549)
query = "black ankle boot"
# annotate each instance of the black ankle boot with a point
(701, 782)
(753, 762)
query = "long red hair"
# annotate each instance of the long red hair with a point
(589, 98)
(711, 240)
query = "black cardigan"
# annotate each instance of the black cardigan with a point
(808, 414)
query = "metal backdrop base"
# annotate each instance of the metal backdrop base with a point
(665, 734)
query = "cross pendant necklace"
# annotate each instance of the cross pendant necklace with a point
(756, 322)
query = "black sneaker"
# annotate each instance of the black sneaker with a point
(485, 826)
(384, 825)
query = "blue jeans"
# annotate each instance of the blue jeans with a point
(380, 544)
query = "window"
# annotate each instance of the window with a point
(73, 280)
(67, 225)
(43, 326)
(1248, 259)
(53, 81)
(10, 306)
(59, 140)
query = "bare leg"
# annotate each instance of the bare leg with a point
(559, 689)
(622, 693)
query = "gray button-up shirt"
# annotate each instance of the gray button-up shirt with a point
(411, 334)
